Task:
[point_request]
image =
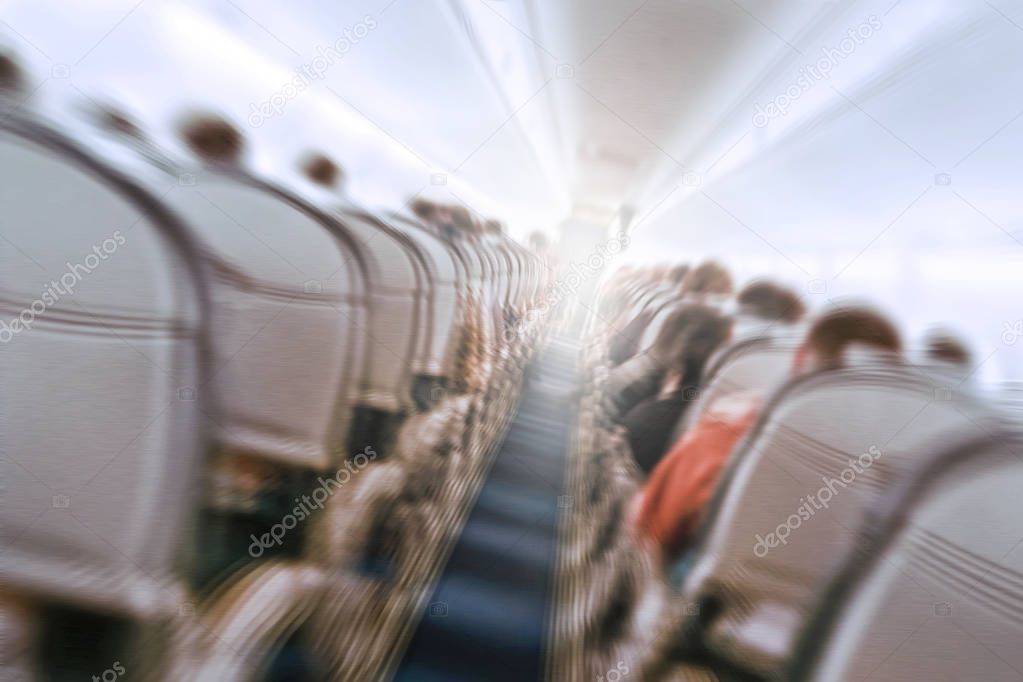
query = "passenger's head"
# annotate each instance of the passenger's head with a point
(707, 278)
(688, 337)
(661, 272)
(425, 210)
(462, 220)
(322, 170)
(677, 274)
(835, 331)
(538, 242)
(944, 347)
(11, 77)
(493, 226)
(770, 301)
(212, 138)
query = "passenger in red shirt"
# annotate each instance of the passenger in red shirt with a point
(671, 504)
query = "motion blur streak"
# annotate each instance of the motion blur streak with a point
(511, 340)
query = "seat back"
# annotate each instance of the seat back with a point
(446, 280)
(660, 310)
(104, 364)
(289, 306)
(938, 590)
(758, 363)
(397, 297)
(802, 480)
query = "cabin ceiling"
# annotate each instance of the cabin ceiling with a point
(533, 110)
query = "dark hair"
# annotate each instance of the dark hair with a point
(944, 347)
(689, 336)
(770, 301)
(11, 75)
(835, 330)
(321, 169)
(493, 226)
(213, 138)
(709, 277)
(462, 220)
(424, 209)
(677, 274)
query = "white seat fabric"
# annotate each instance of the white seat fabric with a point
(941, 594)
(288, 308)
(446, 281)
(840, 437)
(757, 364)
(103, 426)
(397, 302)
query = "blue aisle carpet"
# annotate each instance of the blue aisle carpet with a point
(487, 619)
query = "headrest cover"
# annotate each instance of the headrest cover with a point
(212, 138)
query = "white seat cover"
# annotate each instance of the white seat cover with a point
(942, 595)
(287, 306)
(759, 364)
(103, 392)
(883, 419)
(445, 278)
(396, 302)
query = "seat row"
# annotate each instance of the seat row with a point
(226, 390)
(865, 527)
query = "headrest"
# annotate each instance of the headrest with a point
(212, 138)
(861, 354)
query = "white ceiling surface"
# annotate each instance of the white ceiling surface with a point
(532, 107)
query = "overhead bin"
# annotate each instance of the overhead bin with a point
(105, 337)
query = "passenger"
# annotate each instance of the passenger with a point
(944, 348)
(649, 425)
(707, 279)
(213, 139)
(12, 78)
(671, 504)
(641, 377)
(769, 301)
(624, 343)
(323, 171)
(677, 275)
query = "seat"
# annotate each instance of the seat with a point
(818, 459)
(398, 298)
(937, 591)
(287, 313)
(434, 361)
(759, 363)
(105, 356)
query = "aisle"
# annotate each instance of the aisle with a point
(487, 619)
